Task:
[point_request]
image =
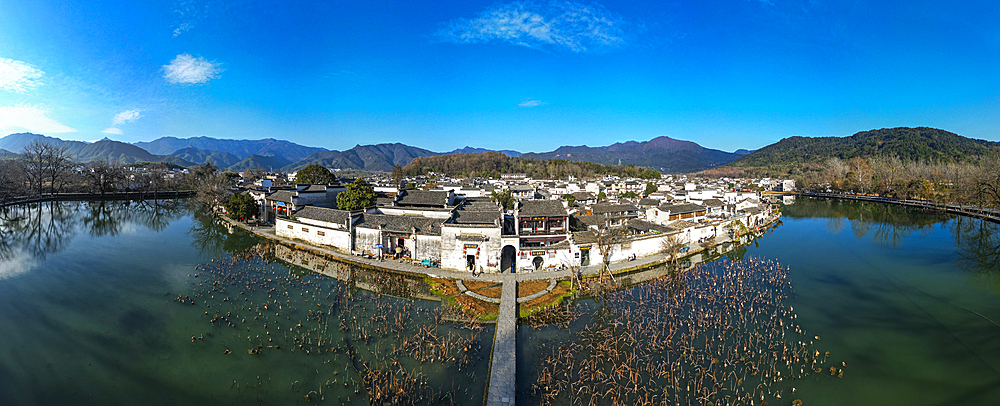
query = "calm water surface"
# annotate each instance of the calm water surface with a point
(907, 300)
(99, 303)
(144, 303)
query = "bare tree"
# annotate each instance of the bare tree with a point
(33, 161)
(59, 164)
(670, 246)
(11, 179)
(987, 182)
(607, 240)
(103, 177)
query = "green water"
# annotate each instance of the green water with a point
(908, 300)
(138, 303)
(96, 308)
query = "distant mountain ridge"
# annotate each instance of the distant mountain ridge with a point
(80, 151)
(221, 159)
(380, 157)
(661, 153)
(471, 150)
(909, 144)
(240, 148)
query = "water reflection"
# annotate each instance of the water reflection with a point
(284, 308)
(886, 224)
(40, 229)
(978, 244)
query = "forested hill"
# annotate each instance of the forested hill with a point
(493, 164)
(909, 144)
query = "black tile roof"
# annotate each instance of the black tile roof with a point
(585, 237)
(605, 208)
(402, 224)
(646, 226)
(476, 216)
(713, 203)
(281, 196)
(437, 198)
(682, 208)
(324, 214)
(541, 208)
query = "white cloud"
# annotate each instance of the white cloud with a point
(17, 76)
(112, 130)
(532, 103)
(184, 26)
(28, 118)
(568, 26)
(187, 69)
(126, 116)
(18, 263)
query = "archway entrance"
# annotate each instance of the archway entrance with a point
(537, 263)
(507, 255)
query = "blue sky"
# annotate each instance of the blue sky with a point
(529, 76)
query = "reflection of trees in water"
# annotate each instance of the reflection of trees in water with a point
(157, 214)
(108, 217)
(978, 243)
(887, 224)
(105, 217)
(47, 227)
(207, 233)
(37, 228)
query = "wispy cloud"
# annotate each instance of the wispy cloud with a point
(126, 116)
(113, 130)
(532, 103)
(18, 263)
(563, 26)
(18, 77)
(183, 26)
(29, 118)
(186, 69)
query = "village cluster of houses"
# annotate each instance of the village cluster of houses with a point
(456, 225)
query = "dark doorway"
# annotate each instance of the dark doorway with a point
(537, 262)
(585, 257)
(507, 255)
(470, 261)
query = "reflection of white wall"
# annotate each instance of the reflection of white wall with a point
(19, 263)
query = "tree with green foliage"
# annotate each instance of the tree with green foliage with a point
(359, 195)
(504, 198)
(314, 175)
(630, 195)
(602, 197)
(241, 207)
(650, 189)
(570, 198)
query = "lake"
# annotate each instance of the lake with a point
(152, 303)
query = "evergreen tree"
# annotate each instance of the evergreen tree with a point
(314, 175)
(241, 207)
(358, 195)
(650, 189)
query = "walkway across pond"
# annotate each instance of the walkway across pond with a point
(502, 379)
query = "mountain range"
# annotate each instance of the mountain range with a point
(909, 144)
(661, 153)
